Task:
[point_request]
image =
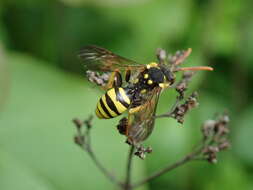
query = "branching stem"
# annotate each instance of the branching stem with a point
(168, 168)
(214, 132)
(84, 141)
(106, 173)
(171, 111)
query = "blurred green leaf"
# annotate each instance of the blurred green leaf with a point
(15, 175)
(4, 78)
(229, 176)
(221, 26)
(243, 136)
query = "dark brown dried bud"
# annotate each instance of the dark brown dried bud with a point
(141, 155)
(161, 55)
(208, 127)
(212, 158)
(180, 120)
(211, 149)
(187, 75)
(192, 101)
(210, 153)
(221, 129)
(179, 57)
(99, 79)
(225, 145)
(78, 123)
(181, 87)
(149, 149)
(142, 151)
(182, 109)
(225, 119)
(88, 122)
(79, 140)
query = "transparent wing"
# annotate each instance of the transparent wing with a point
(100, 59)
(141, 123)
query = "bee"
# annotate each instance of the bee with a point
(131, 87)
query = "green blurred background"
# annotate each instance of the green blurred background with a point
(43, 86)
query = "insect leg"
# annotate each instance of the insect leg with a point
(136, 109)
(115, 80)
(128, 74)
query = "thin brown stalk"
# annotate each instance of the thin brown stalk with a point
(168, 168)
(100, 166)
(129, 168)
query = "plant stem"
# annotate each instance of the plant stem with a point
(129, 167)
(107, 174)
(168, 168)
(171, 111)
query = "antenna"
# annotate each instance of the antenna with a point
(198, 68)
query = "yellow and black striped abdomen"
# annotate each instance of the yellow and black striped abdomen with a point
(113, 103)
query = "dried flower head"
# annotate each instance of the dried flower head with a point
(215, 137)
(182, 109)
(99, 79)
(142, 151)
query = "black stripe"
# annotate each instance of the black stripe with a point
(104, 116)
(100, 113)
(111, 104)
(104, 108)
(120, 98)
(128, 74)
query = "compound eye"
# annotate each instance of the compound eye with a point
(170, 77)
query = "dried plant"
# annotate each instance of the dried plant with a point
(214, 132)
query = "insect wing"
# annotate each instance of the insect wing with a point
(100, 59)
(141, 123)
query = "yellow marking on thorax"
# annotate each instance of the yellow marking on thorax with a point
(145, 76)
(143, 91)
(150, 82)
(152, 64)
(164, 85)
